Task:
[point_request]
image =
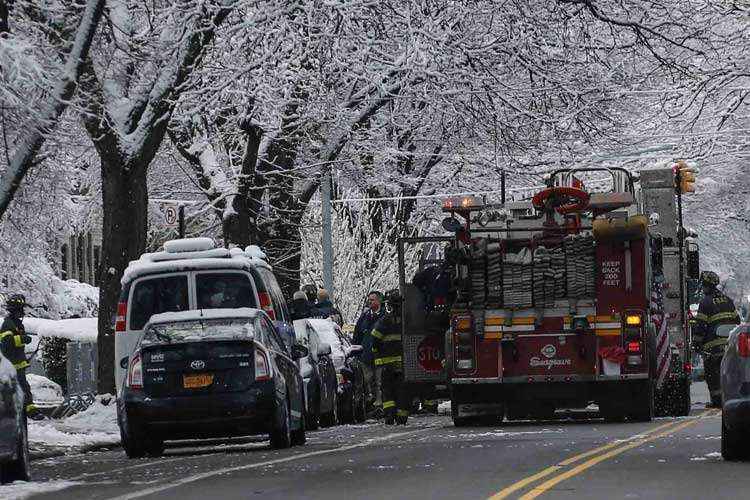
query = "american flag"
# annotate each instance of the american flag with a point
(662, 338)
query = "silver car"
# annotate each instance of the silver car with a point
(735, 388)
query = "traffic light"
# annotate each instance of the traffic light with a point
(685, 177)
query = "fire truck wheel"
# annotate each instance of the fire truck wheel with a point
(682, 403)
(611, 412)
(643, 403)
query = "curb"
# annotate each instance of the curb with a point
(64, 450)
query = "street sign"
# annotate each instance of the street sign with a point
(171, 215)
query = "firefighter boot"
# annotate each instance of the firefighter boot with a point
(430, 406)
(401, 417)
(389, 411)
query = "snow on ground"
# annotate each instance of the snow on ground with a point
(19, 489)
(96, 426)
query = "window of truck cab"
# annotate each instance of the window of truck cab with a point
(157, 294)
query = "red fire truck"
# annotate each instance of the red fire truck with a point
(569, 299)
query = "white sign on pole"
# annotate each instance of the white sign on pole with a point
(171, 215)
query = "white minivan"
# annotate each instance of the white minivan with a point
(193, 274)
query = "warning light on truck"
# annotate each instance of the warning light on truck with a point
(685, 177)
(462, 203)
(633, 320)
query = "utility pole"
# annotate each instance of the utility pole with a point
(325, 205)
(502, 186)
(181, 220)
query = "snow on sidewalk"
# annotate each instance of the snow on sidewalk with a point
(95, 427)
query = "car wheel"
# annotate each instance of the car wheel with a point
(133, 447)
(281, 436)
(733, 444)
(312, 418)
(19, 469)
(331, 418)
(346, 408)
(299, 437)
(154, 447)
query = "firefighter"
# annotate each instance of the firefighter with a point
(13, 339)
(387, 348)
(715, 309)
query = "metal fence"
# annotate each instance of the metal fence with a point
(81, 367)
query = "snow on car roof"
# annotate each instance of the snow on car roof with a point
(194, 254)
(326, 330)
(199, 314)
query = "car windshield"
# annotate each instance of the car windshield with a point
(183, 331)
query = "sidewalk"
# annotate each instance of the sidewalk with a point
(94, 429)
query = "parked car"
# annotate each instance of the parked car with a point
(14, 436)
(352, 396)
(210, 373)
(735, 389)
(319, 376)
(48, 395)
(193, 274)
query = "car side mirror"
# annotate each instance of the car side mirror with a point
(124, 363)
(299, 351)
(355, 350)
(324, 349)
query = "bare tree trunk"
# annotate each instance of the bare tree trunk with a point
(125, 203)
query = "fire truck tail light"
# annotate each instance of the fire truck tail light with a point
(743, 344)
(462, 323)
(633, 320)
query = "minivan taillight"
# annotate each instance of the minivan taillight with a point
(266, 304)
(122, 314)
(262, 366)
(135, 372)
(743, 344)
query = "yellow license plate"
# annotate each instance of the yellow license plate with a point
(197, 381)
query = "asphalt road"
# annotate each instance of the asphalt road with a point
(429, 458)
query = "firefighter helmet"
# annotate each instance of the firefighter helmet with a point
(709, 279)
(15, 302)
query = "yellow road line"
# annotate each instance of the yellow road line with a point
(504, 493)
(544, 487)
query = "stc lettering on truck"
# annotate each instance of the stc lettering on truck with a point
(611, 272)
